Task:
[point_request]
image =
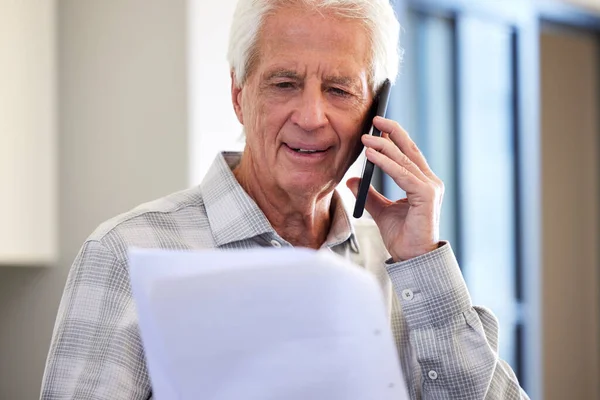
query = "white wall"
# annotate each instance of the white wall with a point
(122, 73)
(213, 124)
(28, 206)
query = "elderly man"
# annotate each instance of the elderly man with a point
(304, 75)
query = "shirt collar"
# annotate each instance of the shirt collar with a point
(233, 215)
(341, 228)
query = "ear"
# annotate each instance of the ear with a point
(236, 99)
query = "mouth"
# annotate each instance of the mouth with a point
(308, 150)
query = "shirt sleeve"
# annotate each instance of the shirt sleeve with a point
(96, 351)
(455, 343)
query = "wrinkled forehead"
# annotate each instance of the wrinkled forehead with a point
(307, 36)
(292, 18)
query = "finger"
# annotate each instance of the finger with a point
(405, 179)
(402, 139)
(375, 203)
(392, 151)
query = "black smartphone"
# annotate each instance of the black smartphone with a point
(380, 104)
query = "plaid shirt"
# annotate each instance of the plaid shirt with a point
(448, 349)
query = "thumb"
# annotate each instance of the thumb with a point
(375, 200)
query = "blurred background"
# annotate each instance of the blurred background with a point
(108, 104)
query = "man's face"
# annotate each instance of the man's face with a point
(304, 103)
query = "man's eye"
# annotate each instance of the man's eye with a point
(339, 92)
(284, 85)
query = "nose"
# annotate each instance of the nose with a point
(310, 112)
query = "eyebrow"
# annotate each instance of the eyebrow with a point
(343, 81)
(282, 73)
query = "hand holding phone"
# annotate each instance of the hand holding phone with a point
(381, 103)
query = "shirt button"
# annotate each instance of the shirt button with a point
(275, 243)
(407, 294)
(432, 375)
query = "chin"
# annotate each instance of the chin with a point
(303, 184)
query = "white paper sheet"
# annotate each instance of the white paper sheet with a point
(263, 324)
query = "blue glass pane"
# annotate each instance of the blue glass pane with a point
(487, 162)
(436, 111)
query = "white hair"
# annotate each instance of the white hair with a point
(377, 16)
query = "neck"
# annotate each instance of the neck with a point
(301, 219)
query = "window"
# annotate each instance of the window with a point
(456, 97)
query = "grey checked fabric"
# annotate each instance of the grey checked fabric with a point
(448, 348)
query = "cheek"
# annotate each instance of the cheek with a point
(262, 127)
(352, 129)
(270, 120)
(254, 112)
